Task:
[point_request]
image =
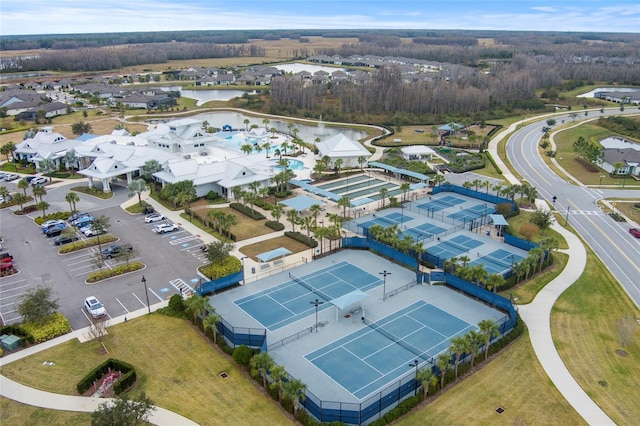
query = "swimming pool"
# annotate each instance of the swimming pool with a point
(293, 165)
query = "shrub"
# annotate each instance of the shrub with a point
(89, 242)
(247, 211)
(114, 272)
(302, 238)
(212, 196)
(128, 377)
(493, 162)
(17, 330)
(53, 216)
(242, 355)
(528, 231)
(52, 326)
(176, 303)
(230, 265)
(276, 226)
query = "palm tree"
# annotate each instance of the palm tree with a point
(23, 184)
(476, 183)
(7, 149)
(498, 188)
(47, 166)
(210, 322)
(293, 217)
(487, 184)
(70, 159)
(20, 199)
(467, 185)
(198, 306)
(43, 205)
(383, 195)
(276, 211)
(246, 148)
(494, 282)
(427, 378)
(246, 124)
(438, 179)
(261, 364)
(361, 160)
(39, 192)
(519, 270)
(465, 260)
(315, 211)
(307, 223)
(443, 365)
(137, 187)
(488, 330)
(338, 165)
(459, 346)
(265, 121)
(535, 256)
(294, 389)
(405, 187)
(549, 245)
(278, 376)
(474, 340)
(266, 146)
(72, 198)
(478, 273)
(345, 203)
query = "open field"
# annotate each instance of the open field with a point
(17, 414)
(586, 327)
(514, 381)
(524, 293)
(628, 209)
(177, 368)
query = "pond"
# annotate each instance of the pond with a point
(206, 95)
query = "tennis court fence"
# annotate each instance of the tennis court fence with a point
(290, 338)
(400, 289)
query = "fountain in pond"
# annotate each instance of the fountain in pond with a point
(321, 131)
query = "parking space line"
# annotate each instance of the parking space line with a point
(182, 240)
(156, 295)
(12, 282)
(14, 288)
(143, 304)
(123, 307)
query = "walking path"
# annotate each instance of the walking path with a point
(537, 314)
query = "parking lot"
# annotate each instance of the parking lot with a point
(170, 261)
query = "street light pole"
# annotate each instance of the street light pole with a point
(566, 219)
(316, 303)
(415, 388)
(600, 184)
(384, 284)
(146, 293)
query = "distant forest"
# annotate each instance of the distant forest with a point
(483, 71)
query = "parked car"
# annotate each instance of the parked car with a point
(6, 264)
(148, 210)
(115, 249)
(90, 231)
(10, 177)
(3, 175)
(29, 178)
(76, 216)
(6, 199)
(83, 221)
(50, 224)
(155, 217)
(165, 227)
(94, 307)
(5, 255)
(65, 239)
(635, 232)
(38, 181)
(55, 230)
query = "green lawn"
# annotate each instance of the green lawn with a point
(17, 414)
(177, 368)
(516, 222)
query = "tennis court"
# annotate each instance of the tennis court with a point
(379, 353)
(498, 262)
(471, 213)
(422, 231)
(441, 203)
(288, 302)
(454, 247)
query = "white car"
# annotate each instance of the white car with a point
(154, 217)
(38, 181)
(90, 231)
(11, 176)
(165, 227)
(94, 307)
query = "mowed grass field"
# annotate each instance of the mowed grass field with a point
(177, 368)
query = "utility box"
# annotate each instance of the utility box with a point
(10, 342)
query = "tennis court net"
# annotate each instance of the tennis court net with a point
(417, 352)
(496, 261)
(309, 287)
(454, 245)
(386, 220)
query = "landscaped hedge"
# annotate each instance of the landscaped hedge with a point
(127, 379)
(114, 272)
(276, 226)
(247, 211)
(14, 203)
(230, 265)
(17, 330)
(99, 193)
(53, 216)
(89, 242)
(493, 162)
(302, 238)
(53, 326)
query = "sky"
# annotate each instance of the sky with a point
(19, 17)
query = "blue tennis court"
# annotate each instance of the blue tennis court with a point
(288, 302)
(471, 213)
(386, 221)
(442, 203)
(423, 231)
(454, 247)
(378, 354)
(498, 262)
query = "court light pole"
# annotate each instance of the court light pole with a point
(316, 303)
(146, 293)
(384, 283)
(415, 388)
(242, 260)
(401, 214)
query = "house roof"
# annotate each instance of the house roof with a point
(342, 146)
(417, 150)
(625, 156)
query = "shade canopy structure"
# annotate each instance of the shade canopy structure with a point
(498, 220)
(273, 254)
(301, 202)
(348, 299)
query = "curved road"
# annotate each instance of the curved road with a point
(610, 240)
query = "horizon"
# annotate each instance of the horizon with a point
(67, 17)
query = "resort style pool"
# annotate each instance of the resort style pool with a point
(293, 165)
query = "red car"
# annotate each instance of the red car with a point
(635, 232)
(6, 264)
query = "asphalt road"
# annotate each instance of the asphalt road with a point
(168, 257)
(611, 240)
